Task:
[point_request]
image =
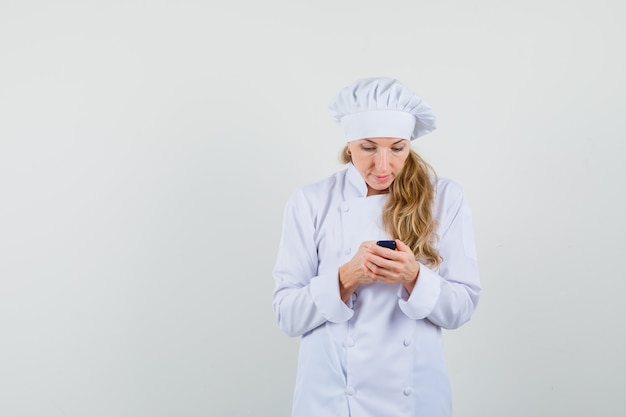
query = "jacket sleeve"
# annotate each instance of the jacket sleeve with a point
(302, 299)
(448, 297)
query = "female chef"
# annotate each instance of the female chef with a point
(370, 317)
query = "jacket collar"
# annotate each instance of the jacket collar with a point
(355, 184)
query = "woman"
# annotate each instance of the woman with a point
(370, 317)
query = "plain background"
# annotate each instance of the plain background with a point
(147, 149)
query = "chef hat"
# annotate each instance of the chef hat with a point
(381, 107)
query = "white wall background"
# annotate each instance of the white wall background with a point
(147, 150)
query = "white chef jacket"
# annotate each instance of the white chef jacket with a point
(381, 353)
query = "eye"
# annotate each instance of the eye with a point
(398, 148)
(367, 148)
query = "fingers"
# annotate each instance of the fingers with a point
(401, 253)
(382, 269)
(357, 270)
(378, 265)
(382, 252)
(402, 247)
(390, 266)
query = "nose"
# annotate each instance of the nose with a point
(381, 161)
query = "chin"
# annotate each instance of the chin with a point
(380, 189)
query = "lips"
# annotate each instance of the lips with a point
(382, 179)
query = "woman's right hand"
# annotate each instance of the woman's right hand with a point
(354, 273)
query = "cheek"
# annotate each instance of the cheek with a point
(360, 161)
(400, 161)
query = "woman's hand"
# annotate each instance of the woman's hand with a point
(374, 263)
(355, 273)
(391, 266)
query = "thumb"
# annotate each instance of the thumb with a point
(402, 247)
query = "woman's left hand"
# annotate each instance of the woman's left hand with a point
(392, 266)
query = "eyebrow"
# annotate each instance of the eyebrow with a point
(374, 143)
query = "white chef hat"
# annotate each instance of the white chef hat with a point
(381, 107)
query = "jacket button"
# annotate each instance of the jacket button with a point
(406, 342)
(407, 391)
(345, 207)
(350, 391)
(353, 297)
(350, 342)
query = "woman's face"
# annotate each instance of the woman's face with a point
(379, 160)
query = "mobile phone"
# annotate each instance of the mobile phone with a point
(391, 244)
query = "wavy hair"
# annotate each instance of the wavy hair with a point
(408, 210)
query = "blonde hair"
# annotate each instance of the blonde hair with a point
(408, 211)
